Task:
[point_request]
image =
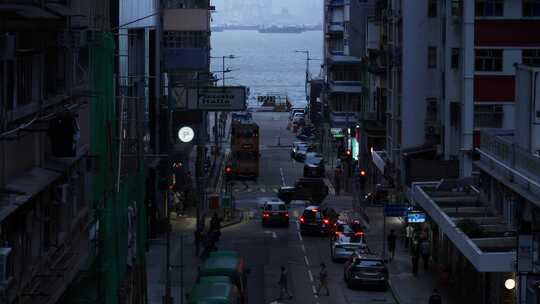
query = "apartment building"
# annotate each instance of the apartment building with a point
(46, 205)
(445, 70)
(186, 62)
(344, 94)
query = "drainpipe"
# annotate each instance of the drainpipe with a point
(467, 113)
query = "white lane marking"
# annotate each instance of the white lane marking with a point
(303, 248)
(330, 186)
(275, 190)
(262, 189)
(282, 177)
(310, 275)
(300, 236)
(314, 291)
(297, 225)
(274, 235)
(307, 261)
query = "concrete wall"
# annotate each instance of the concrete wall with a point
(417, 82)
(186, 20)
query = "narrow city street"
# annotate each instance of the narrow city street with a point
(266, 249)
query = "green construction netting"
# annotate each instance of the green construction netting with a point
(111, 206)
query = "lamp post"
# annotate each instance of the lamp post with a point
(308, 59)
(223, 71)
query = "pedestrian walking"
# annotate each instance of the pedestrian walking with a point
(435, 297)
(323, 280)
(283, 288)
(391, 240)
(409, 231)
(425, 251)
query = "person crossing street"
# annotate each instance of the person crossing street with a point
(283, 288)
(323, 280)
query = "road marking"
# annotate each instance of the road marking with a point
(297, 225)
(303, 248)
(300, 236)
(330, 186)
(310, 275)
(274, 235)
(275, 190)
(282, 177)
(262, 189)
(314, 291)
(307, 261)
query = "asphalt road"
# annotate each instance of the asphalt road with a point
(266, 249)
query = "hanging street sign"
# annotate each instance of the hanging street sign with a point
(396, 210)
(217, 98)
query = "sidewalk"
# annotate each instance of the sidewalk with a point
(406, 288)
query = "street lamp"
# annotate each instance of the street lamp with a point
(510, 284)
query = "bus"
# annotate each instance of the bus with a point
(245, 149)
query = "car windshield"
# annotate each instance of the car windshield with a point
(275, 207)
(344, 228)
(368, 263)
(312, 215)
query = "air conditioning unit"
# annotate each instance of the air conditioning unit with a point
(61, 193)
(7, 46)
(5, 272)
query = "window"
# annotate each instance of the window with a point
(488, 116)
(489, 8)
(455, 58)
(336, 45)
(24, 79)
(432, 57)
(488, 60)
(531, 8)
(457, 8)
(432, 8)
(186, 39)
(531, 57)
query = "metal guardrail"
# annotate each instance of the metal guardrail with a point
(510, 154)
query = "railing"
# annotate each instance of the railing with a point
(510, 154)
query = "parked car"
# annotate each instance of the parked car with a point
(314, 158)
(315, 171)
(345, 241)
(302, 151)
(296, 146)
(308, 189)
(275, 212)
(366, 269)
(317, 220)
(296, 110)
(379, 196)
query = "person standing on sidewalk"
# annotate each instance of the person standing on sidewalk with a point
(425, 252)
(409, 231)
(323, 280)
(283, 288)
(415, 256)
(391, 239)
(435, 297)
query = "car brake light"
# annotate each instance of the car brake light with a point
(359, 233)
(325, 221)
(302, 219)
(287, 214)
(266, 214)
(314, 210)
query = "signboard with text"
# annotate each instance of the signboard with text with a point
(217, 98)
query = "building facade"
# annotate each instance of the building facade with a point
(444, 76)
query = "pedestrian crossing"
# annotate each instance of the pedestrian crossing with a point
(239, 188)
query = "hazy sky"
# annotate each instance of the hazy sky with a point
(303, 11)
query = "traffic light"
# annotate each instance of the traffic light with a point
(228, 172)
(348, 153)
(362, 178)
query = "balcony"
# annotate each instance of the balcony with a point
(344, 59)
(345, 87)
(475, 229)
(333, 27)
(335, 2)
(511, 165)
